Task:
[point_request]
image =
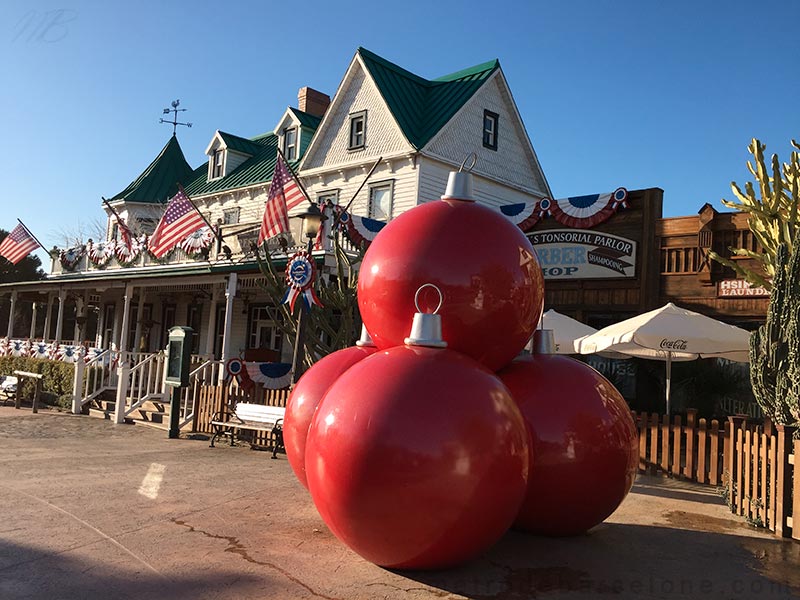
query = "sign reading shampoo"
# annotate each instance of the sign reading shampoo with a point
(581, 254)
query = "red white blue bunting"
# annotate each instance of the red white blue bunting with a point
(271, 375)
(523, 214)
(360, 230)
(583, 212)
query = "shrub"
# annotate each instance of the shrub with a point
(57, 377)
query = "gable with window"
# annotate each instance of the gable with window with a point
(381, 200)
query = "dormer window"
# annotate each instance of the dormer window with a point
(358, 130)
(490, 120)
(218, 164)
(290, 143)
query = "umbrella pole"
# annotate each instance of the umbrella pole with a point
(669, 376)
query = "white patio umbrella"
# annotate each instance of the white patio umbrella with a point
(670, 333)
(565, 330)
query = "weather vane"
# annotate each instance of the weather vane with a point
(176, 110)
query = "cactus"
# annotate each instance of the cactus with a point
(775, 346)
(773, 213)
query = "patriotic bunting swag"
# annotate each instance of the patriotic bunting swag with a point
(300, 274)
(71, 256)
(271, 375)
(234, 369)
(198, 241)
(361, 229)
(101, 252)
(581, 212)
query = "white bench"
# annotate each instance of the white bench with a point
(251, 417)
(8, 387)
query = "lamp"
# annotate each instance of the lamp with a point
(312, 222)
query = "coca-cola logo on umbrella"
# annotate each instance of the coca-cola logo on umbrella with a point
(673, 344)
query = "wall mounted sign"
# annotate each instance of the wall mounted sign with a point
(582, 254)
(739, 288)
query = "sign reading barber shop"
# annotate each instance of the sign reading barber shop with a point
(582, 254)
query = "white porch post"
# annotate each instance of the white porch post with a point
(212, 322)
(137, 336)
(34, 308)
(123, 368)
(11, 311)
(101, 324)
(77, 386)
(47, 317)
(62, 297)
(230, 293)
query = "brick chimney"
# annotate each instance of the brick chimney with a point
(313, 102)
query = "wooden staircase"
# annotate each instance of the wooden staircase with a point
(153, 413)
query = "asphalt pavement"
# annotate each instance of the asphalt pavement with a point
(93, 510)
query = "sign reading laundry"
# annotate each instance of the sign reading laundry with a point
(581, 254)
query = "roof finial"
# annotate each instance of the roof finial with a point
(174, 121)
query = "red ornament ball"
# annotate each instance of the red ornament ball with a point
(305, 397)
(417, 458)
(584, 440)
(492, 285)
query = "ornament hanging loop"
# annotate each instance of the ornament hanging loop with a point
(471, 156)
(438, 291)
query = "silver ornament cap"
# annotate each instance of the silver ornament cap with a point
(426, 328)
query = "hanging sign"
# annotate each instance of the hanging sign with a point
(582, 254)
(300, 274)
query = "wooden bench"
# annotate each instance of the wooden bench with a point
(37, 377)
(250, 417)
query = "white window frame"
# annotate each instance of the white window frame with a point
(331, 196)
(230, 216)
(264, 317)
(490, 133)
(378, 186)
(290, 150)
(357, 140)
(218, 163)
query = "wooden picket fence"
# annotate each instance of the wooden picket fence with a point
(754, 464)
(217, 399)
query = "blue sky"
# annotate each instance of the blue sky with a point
(613, 93)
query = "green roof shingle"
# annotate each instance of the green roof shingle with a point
(239, 144)
(159, 181)
(420, 106)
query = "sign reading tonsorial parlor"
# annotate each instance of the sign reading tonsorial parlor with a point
(583, 254)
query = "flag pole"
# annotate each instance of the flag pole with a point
(347, 207)
(35, 239)
(202, 216)
(294, 176)
(114, 212)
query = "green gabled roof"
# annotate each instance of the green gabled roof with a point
(256, 169)
(306, 119)
(159, 181)
(420, 106)
(239, 144)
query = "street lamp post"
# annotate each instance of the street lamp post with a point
(312, 222)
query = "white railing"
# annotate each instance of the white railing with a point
(145, 381)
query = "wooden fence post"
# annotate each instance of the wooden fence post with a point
(784, 481)
(691, 421)
(676, 446)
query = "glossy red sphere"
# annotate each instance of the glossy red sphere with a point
(584, 441)
(485, 266)
(305, 397)
(417, 458)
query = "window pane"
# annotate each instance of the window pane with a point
(380, 206)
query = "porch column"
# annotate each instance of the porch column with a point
(77, 331)
(47, 317)
(230, 293)
(101, 324)
(212, 322)
(62, 297)
(11, 311)
(123, 368)
(34, 308)
(137, 336)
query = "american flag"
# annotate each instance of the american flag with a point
(284, 195)
(125, 233)
(179, 221)
(18, 244)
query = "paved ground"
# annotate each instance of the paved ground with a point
(84, 518)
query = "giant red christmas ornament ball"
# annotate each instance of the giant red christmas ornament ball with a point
(305, 397)
(584, 440)
(485, 266)
(417, 458)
